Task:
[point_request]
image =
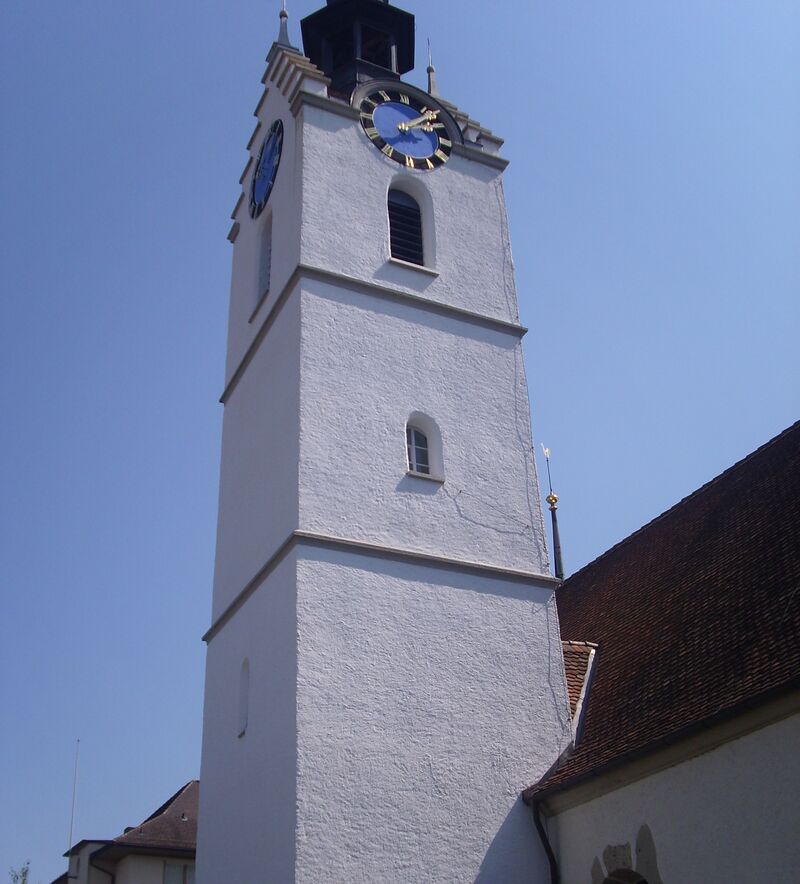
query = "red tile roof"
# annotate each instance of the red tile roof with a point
(172, 829)
(577, 656)
(697, 615)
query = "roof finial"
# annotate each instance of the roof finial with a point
(552, 499)
(283, 34)
(433, 86)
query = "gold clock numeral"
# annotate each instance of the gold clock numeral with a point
(446, 142)
(439, 126)
(371, 131)
(429, 163)
(440, 154)
(410, 162)
(370, 102)
(367, 119)
(384, 95)
(388, 150)
(405, 99)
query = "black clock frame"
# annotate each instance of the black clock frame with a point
(275, 130)
(364, 101)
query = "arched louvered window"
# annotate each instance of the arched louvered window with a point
(405, 227)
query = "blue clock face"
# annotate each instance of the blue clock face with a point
(266, 169)
(406, 129)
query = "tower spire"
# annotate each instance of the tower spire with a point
(552, 500)
(283, 33)
(433, 86)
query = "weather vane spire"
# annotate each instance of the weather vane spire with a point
(552, 500)
(433, 86)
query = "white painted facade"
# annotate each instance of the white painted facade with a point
(132, 869)
(152, 870)
(726, 816)
(79, 868)
(405, 671)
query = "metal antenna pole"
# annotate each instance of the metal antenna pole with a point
(74, 793)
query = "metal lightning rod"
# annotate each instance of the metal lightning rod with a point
(552, 500)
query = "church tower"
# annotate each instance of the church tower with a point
(384, 672)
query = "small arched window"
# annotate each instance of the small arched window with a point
(405, 227)
(418, 456)
(244, 697)
(424, 447)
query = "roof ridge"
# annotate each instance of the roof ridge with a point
(696, 493)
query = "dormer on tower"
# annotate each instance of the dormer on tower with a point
(353, 41)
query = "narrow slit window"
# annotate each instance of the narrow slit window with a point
(417, 442)
(405, 227)
(265, 261)
(244, 697)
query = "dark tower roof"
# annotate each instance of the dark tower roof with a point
(353, 41)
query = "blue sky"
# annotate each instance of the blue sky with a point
(653, 197)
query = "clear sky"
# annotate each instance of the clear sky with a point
(654, 204)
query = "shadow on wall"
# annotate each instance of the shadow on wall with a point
(514, 854)
(619, 866)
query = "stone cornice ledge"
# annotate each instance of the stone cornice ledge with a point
(321, 101)
(367, 287)
(480, 156)
(370, 287)
(400, 553)
(299, 537)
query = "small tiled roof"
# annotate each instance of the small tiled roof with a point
(696, 615)
(172, 826)
(169, 831)
(576, 663)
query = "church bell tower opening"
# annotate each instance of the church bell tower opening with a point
(353, 41)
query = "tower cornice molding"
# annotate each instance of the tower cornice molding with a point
(307, 271)
(313, 539)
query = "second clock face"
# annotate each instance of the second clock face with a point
(406, 129)
(266, 169)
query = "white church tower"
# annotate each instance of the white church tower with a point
(384, 673)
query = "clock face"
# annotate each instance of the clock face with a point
(266, 169)
(405, 128)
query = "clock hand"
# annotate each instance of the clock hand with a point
(425, 117)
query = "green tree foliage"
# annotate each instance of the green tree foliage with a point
(20, 875)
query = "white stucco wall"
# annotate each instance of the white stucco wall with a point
(345, 225)
(367, 364)
(397, 709)
(427, 700)
(729, 816)
(258, 503)
(285, 207)
(246, 825)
